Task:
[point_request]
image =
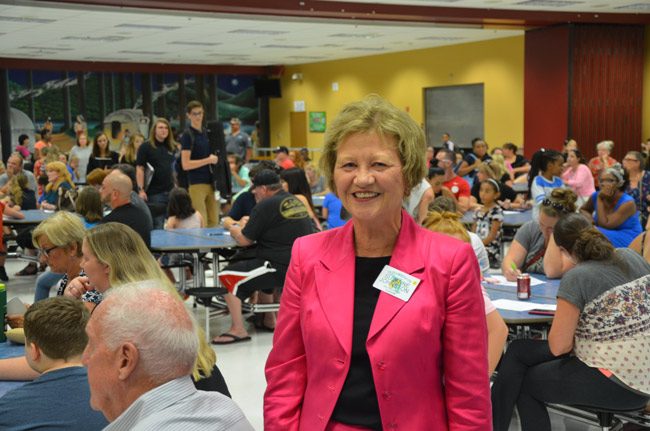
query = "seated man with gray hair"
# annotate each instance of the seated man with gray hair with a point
(142, 346)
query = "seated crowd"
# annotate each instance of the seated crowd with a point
(134, 357)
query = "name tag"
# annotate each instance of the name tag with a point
(397, 283)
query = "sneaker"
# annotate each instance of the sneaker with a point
(3, 274)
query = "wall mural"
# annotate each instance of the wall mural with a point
(54, 99)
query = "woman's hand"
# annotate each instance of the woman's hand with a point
(77, 287)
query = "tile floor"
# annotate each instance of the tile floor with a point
(241, 364)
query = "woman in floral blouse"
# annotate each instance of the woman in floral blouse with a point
(601, 320)
(639, 186)
(603, 160)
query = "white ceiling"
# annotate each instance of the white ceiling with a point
(89, 33)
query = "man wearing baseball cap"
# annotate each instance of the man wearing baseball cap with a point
(276, 221)
(282, 157)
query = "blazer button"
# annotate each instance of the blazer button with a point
(339, 362)
(321, 418)
(381, 365)
(330, 387)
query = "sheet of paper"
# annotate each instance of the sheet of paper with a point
(510, 212)
(501, 281)
(508, 304)
(16, 306)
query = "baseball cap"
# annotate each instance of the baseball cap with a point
(281, 149)
(265, 177)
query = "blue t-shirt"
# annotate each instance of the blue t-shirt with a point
(52, 197)
(200, 150)
(333, 205)
(59, 399)
(625, 233)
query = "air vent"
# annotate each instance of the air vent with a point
(548, 3)
(356, 35)
(445, 38)
(148, 27)
(361, 48)
(97, 38)
(636, 7)
(285, 46)
(258, 32)
(142, 52)
(189, 43)
(26, 19)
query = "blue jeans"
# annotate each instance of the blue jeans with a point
(44, 283)
(158, 200)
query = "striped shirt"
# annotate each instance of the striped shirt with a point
(177, 405)
(540, 189)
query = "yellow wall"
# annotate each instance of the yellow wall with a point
(645, 121)
(402, 78)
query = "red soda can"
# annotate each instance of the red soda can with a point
(523, 286)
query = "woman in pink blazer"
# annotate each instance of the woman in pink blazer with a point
(381, 323)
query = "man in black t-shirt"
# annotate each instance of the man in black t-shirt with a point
(275, 223)
(116, 192)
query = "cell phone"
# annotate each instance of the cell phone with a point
(542, 312)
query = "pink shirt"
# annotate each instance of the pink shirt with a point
(580, 180)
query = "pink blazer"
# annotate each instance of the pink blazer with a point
(428, 355)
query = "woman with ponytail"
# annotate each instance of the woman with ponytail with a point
(600, 323)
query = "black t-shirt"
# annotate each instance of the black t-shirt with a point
(519, 161)
(200, 150)
(274, 224)
(134, 218)
(102, 162)
(506, 192)
(357, 403)
(161, 159)
(243, 206)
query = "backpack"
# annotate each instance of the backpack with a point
(177, 168)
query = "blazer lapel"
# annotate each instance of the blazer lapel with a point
(407, 258)
(335, 285)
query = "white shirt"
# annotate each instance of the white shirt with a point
(178, 405)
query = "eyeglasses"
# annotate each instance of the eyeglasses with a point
(196, 114)
(46, 251)
(556, 205)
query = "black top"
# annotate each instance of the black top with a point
(102, 162)
(275, 223)
(161, 160)
(519, 161)
(243, 206)
(200, 149)
(134, 218)
(29, 200)
(357, 403)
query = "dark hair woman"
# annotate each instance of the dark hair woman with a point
(600, 323)
(295, 182)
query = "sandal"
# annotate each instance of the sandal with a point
(30, 269)
(233, 339)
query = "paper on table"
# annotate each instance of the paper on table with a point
(16, 306)
(501, 280)
(508, 304)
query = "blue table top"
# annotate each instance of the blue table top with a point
(10, 350)
(544, 294)
(203, 240)
(31, 217)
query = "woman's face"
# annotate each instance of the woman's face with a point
(102, 142)
(137, 141)
(546, 225)
(96, 271)
(429, 154)
(603, 152)
(479, 148)
(631, 163)
(83, 140)
(52, 175)
(507, 152)
(571, 145)
(161, 131)
(56, 257)
(572, 159)
(436, 183)
(368, 177)
(487, 193)
(608, 184)
(482, 176)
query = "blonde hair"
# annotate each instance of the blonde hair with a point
(62, 229)
(605, 145)
(448, 223)
(17, 184)
(561, 202)
(498, 165)
(64, 175)
(129, 260)
(297, 159)
(375, 114)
